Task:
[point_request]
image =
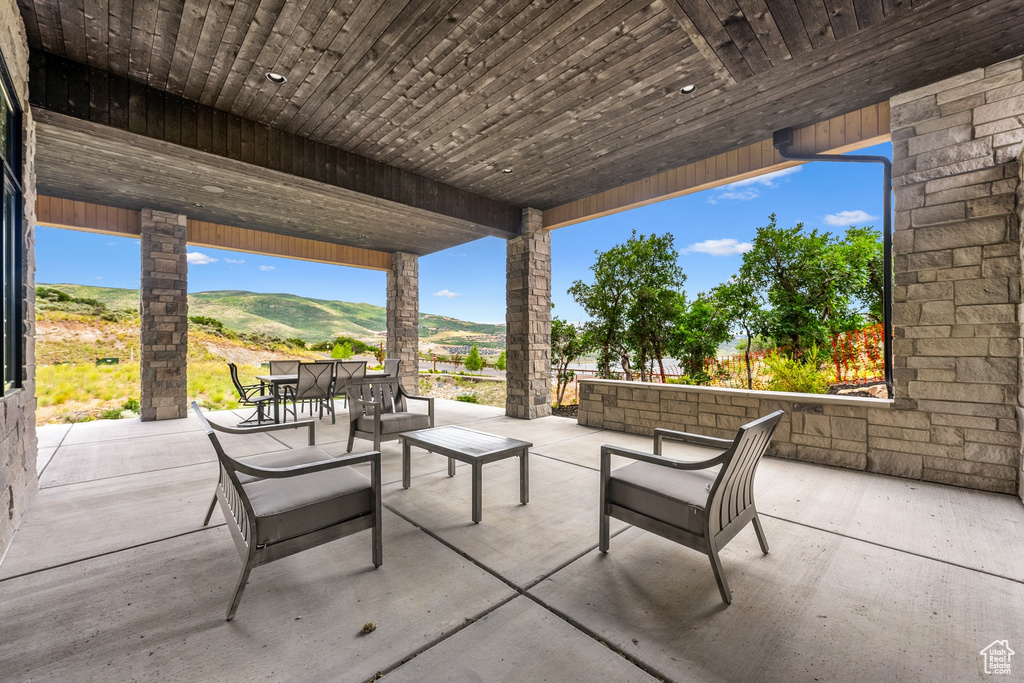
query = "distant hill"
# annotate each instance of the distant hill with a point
(287, 315)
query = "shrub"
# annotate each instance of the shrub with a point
(342, 351)
(207, 321)
(467, 397)
(803, 376)
(295, 342)
(500, 363)
(132, 404)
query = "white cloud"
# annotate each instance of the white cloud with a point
(267, 268)
(198, 258)
(845, 219)
(98, 277)
(722, 247)
(447, 294)
(232, 260)
(745, 190)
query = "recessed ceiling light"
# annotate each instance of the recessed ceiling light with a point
(213, 188)
(362, 237)
(688, 88)
(506, 170)
(198, 206)
(275, 77)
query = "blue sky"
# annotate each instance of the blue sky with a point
(710, 228)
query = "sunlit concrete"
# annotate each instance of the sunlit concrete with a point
(113, 577)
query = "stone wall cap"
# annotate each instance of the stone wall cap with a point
(753, 393)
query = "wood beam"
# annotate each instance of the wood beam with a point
(861, 128)
(71, 214)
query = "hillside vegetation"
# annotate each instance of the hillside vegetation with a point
(291, 316)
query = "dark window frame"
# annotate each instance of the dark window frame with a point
(12, 245)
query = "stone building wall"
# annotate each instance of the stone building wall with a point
(403, 317)
(18, 446)
(528, 319)
(163, 300)
(956, 321)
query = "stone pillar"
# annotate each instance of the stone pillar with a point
(163, 302)
(528, 319)
(957, 293)
(403, 313)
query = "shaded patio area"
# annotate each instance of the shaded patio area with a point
(112, 577)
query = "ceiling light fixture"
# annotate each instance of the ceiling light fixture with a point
(275, 77)
(688, 88)
(213, 189)
(506, 170)
(198, 206)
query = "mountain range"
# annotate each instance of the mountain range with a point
(287, 315)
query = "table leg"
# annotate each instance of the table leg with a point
(478, 493)
(524, 476)
(277, 404)
(406, 464)
(451, 467)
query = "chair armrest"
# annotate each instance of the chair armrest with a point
(430, 405)
(662, 435)
(270, 428)
(662, 460)
(307, 468)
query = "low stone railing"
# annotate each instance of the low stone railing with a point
(819, 428)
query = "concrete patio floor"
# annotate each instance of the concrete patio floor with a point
(112, 577)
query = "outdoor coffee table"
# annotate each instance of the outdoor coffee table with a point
(471, 447)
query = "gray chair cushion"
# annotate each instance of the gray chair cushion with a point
(676, 497)
(289, 458)
(393, 423)
(294, 506)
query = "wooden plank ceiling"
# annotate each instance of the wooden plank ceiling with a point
(575, 96)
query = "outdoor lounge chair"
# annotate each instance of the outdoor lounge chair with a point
(391, 366)
(685, 501)
(377, 410)
(249, 395)
(281, 503)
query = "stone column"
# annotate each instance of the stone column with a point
(403, 313)
(957, 294)
(528, 319)
(163, 302)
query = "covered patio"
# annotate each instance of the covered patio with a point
(373, 132)
(112, 575)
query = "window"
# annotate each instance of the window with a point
(10, 243)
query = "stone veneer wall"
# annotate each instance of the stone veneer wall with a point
(956, 322)
(528, 319)
(18, 446)
(163, 300)
(403, 317)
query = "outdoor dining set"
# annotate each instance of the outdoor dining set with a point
(280, 503)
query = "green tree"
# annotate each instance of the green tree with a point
(342, 351)
(568, 344)
(807, 283)
(864, 254)
(701, 327)
(631, 302)
(501, 362)
(456, 359)
(740, 303)
(473, 361)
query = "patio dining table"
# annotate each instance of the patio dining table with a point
(278, 381)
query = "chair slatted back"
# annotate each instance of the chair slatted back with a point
(234, 493)
(284, 367)
(733, 490)
(384, 390)
(315, 380)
